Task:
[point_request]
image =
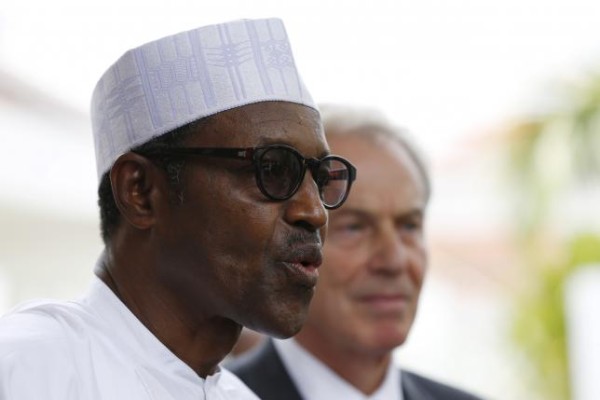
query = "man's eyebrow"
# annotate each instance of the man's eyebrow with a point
(353, 212)
(415, 212)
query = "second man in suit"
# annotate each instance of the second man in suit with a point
(375, 259)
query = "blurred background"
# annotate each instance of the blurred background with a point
(503, 97)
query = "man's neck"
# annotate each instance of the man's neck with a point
(366, 372)
(201, 343)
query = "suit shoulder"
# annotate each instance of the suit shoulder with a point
(431, 389)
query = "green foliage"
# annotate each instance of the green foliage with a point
(539, 326)
(549, 155)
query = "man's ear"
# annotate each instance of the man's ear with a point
(136, 182)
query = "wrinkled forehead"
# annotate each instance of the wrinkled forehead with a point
(170, 82)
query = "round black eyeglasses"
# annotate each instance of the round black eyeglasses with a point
(280, 170)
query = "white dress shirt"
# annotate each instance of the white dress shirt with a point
(93, 349)
(316, 381)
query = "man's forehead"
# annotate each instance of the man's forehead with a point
(261, 124)
(266, 112)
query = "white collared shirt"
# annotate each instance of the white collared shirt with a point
(93, 349)
(316, 381)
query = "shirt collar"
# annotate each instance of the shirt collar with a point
(316, 381)
(134, 337)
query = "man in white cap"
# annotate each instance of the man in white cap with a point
(375, 261)
(210, 220)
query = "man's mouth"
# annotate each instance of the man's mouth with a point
(303, 265)
(380, 303)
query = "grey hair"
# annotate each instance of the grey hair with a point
(371, 124)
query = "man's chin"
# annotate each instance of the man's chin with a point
(282, 326)
(386, 340)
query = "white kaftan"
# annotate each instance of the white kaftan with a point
(95, 348)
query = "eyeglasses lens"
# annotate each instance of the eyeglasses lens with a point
(332, 181)
(280, 171)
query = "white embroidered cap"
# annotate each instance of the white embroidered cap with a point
(170, 82)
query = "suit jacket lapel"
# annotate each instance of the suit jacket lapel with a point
(277, 374)
(411, 389)
(270, 381)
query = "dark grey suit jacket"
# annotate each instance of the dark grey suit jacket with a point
(263, 371)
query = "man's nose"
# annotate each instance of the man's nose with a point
(305, 207)
(390, 253)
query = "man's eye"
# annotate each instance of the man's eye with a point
(411, 225)
(348, 234)
(350, 228)
(353, 227)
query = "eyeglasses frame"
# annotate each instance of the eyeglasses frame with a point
(252, 154)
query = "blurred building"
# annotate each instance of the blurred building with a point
(48, 225)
